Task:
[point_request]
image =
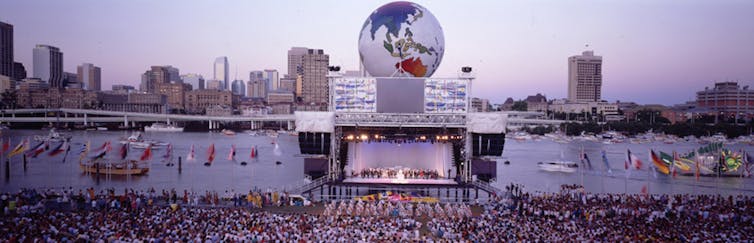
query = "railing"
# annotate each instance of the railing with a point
(488, 187)
(312, 185)
(400, 119)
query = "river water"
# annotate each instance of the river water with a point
(264, 173)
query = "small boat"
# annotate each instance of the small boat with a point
(162, 127)
(101, 128)
(228, 132)
(558, 166)
(278, 162)
(52, 136)
(125, 167)
(136, 140)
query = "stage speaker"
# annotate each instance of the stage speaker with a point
(314, 143)
(487, 144)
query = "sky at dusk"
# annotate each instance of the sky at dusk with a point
(653, 51)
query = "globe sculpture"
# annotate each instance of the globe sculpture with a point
(401, 39)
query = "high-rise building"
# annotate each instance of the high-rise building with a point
(89, 76)
(314, 84)
(122, 88)
(174, 74)
(257, 89)
(155, 75)
(296, 61)
(6, 50)
(221, 72)
(238, 88)
(19, 71)
(6, 83)
(175, 93)
(196, 80)
(287, 84)
(273, 81)
(585, 77)
(71, 80)
(215, 84)
(728, 98)
(48, 65)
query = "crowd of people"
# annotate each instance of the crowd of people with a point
(403, 173)
(569, 215)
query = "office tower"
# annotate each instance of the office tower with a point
(238, 88)
(71, 80)
(215, 84)
(257, 89)
(287, 84)
(256, 75)
(174, 74)
(273, 81)
(48, 65)
(19, 71)
(196, 80)
(155, 75)
(221, 72)
(585, 77)
(727, 98)
(89, 76)
(6, 50)
(296, 61)
(314, 84)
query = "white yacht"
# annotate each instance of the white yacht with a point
(558, 166)
(162, 127)
(52, 136)
(137, 141)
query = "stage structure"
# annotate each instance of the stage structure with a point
(399, 128)
(400, 132)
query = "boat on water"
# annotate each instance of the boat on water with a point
(162, 127)
(228, 132)
(558, 166)
(52, 136)
(136, 140)
(124, 167)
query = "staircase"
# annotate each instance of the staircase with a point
(312, 185)
(488, 188)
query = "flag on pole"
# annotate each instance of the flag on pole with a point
(607, 165)
(84, 150)
(191, 156)
(18, 149)
(67, 148)
(147, 154)
(6, 145)
(57, 150)
(696, 161)
(672, 164)
(36, 150)
(232, 154)
(168, 154)
(253, 153)
(124, 151)
(103, 147)
(211, 153)
(748, 159)
(658, 164)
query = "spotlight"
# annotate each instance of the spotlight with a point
(364, 137)
(423, 137)
(350, 137)
(376, 136)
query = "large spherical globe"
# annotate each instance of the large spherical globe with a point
(401, 39)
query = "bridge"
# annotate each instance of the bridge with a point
(85, 116)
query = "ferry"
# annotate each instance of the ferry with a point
(125, 167)
(162, 127)
(558, 166)
(52, 136)
(228, 132)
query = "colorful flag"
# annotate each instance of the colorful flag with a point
(36, 150)
(635, 161)
(211, 153)
(84, 150)
(607, 165)
(57, 150)
(588, 162)
(253, 153)
(18, 149)
(658, 164)
(232, 154)
(99, 155)
(6, 145)
(191, 156)
(124, 151)
(147, 154)
(103, 147)
(168, 154)
(672, 165)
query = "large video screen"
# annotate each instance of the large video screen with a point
(355, 95)
(445, 96)
(400, 95)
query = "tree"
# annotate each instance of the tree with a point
(519, 106)
(9, 99)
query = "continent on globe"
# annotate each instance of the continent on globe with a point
(401, 38)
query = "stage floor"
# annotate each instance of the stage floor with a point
(359, 180)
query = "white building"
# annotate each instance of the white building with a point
(566, 106)
(273, 79)
(48, 65)
(585, 77)
(221, 72)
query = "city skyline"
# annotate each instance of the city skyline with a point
(654, 52)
